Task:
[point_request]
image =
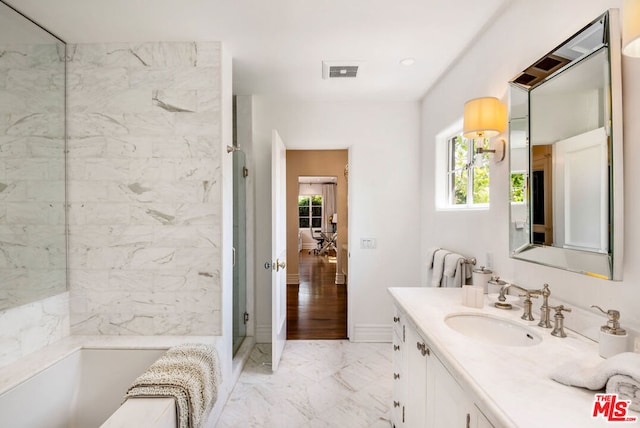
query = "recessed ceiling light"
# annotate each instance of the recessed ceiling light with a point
(408, 62)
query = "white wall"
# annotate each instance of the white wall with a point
(383, 143)
(522, 34)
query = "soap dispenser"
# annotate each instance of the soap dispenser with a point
(613, 338)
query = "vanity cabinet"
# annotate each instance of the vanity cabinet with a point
(428, 395)
(399, 371)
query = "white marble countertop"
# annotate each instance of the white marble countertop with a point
(22, 369)
(510, 384)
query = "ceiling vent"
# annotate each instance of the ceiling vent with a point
(340, 69)
(541, 70)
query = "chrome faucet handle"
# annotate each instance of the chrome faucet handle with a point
(558, 318)
(526, 314)
(529, 294)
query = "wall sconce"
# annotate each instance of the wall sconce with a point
(631, 28)
(485, 118)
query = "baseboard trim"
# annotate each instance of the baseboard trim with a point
(263, 333)
(293, 278)
(372, 333)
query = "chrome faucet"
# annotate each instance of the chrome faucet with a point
(501, 303)
(545, 310)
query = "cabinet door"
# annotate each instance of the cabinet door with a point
(416, 403)
(399, 381)
(448, 404)
(479, 420)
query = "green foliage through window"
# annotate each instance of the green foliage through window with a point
(309, 211)
(467, 172)
(518, 185)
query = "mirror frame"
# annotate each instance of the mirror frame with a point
(571, 259)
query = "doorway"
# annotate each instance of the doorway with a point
(317, 230)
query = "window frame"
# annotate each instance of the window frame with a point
(310, 216)
(472, 163)
(525, 180)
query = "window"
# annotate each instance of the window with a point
(518, 187)
(309, 211)
(467, 172)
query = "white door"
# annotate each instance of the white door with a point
(278, 248)
(581, 192)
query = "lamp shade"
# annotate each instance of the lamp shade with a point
(631, 28)
(484, 117)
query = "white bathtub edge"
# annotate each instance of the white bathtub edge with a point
(144, 412)
(19, 371)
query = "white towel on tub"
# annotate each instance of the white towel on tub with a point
(189, 373)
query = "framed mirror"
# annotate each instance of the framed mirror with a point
(33, 250)
(565, 142)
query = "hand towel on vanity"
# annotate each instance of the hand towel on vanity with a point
(620, 374)
(189, 373)
(438, 267)
(456, 271)
(627, 389)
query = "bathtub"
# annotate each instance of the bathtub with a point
(79, 390)
(80, 381)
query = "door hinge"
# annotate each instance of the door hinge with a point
(246, 317)
(402, 414)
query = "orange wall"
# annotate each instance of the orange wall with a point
(314, 163)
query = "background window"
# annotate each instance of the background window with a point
(518, 184)
(467, 172)
(309, 211)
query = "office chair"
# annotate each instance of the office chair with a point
(315, 234)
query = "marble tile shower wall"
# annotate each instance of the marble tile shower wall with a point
(32, 263)
(144, 137)
(32, 241)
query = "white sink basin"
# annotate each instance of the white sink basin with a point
(492, 330)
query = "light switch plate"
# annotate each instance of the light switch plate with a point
(368, 243)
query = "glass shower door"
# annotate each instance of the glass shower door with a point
(240, 250)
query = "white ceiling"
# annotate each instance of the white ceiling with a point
(278, 45)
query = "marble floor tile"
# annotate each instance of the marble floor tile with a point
(319, 384)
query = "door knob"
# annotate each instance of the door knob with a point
(277, 265)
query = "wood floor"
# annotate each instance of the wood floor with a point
(317, 308)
